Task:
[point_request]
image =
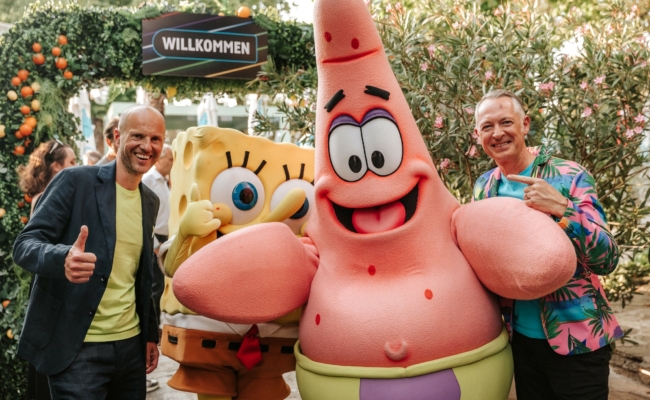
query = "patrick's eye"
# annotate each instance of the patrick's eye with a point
(295, 221)
(346, 153)
(242, 191)
(383, 144)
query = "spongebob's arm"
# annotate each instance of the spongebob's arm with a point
(199, 220)
(253, 275)
(515, 251)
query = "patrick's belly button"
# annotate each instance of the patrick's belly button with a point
(396, 351)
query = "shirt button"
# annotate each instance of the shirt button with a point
(92, 311)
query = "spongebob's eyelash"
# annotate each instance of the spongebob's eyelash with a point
(287, 175)
(245, 163)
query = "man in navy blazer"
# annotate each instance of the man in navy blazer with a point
(90, 324)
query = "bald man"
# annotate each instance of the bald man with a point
(90, 324)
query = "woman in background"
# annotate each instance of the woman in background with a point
(45, 162)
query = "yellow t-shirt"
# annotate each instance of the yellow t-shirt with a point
(116, 318)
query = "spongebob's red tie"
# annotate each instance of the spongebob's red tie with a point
(249, 352)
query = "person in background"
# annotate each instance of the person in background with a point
(44, 163)
(109, 133)
(92, 157)
(157, 179)
(560, 342)
(90, 324)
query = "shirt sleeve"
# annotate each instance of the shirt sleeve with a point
(585, 224)
(37, 247)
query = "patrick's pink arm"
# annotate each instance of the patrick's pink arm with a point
(250, 276)
(515, 251)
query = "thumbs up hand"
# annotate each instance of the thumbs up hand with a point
(79, 265)
(198, 219)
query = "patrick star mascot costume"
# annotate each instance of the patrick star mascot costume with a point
(397, 278)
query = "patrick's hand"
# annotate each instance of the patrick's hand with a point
(199, 218)
(541, 196)
(151, 361)
(79, 265)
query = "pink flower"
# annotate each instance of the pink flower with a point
(398, 6)
(620, 113)
(587, 112)
(483, 48)
(437, 133)
(438, 123)
(599, 80)
(629, 133)
(596, 106)
(584, 85)
(432, 50)
(472, 152)
(644, 64)
(455, 26)
(638, 130)
(488, 75)
(424, 66)
(445, 163)
(639, 119)
(547, 86)
(469, 111)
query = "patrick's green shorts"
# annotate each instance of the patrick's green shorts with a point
(480, 374)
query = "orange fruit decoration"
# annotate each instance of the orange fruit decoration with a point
(23, 74)
(36, 105)
(10, 334)
(5, 303)
(2, 131)
(3, 212)
(56, 51)
(21, 204)
(26, 91)
(38, 59)
(61, 63)
(31, 121)
(25, 110)
(244, 12)
(67, 74)
(11, 95)
(37, 47)
(16, 81)
(26, 130)
(18, 135)
(28, 198)
(24, 220)
(19, 150)
(62, 40)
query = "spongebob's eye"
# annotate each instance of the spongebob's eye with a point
(242, 191)
(383, 144)
(295, 221)
(346, 153)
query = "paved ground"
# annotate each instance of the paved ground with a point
(636, 315)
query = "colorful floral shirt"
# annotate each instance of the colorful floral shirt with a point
(577, 318)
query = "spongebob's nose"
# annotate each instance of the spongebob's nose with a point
(289, 205)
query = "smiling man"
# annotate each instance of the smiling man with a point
(561, 341)
(90, 324)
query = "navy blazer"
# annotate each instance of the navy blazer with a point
(60, 312)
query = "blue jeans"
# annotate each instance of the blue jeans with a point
(110, 370)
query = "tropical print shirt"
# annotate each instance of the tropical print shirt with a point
(577, 318)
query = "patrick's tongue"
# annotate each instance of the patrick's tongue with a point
(379, 219)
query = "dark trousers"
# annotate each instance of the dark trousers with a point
(542, 374)
(110, 370)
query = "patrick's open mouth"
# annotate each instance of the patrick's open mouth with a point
(381, 218)
(498, 145)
